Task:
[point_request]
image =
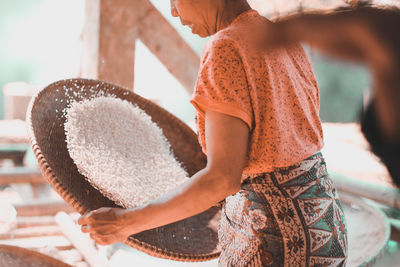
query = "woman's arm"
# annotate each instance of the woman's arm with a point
(226, 141)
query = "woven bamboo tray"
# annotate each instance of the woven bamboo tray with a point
(21, 257)
(193, 239)
(368, 231)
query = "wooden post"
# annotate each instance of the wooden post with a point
(110, 33)
(119, 21)
(169, 47)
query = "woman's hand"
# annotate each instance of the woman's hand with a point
(108, 225)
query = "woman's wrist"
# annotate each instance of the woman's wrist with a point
(137, 219)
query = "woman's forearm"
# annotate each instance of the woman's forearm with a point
(199, 193)
(226, 157)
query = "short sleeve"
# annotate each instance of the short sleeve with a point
(222, 84)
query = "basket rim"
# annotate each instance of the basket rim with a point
(369, 206)
(26, 251)
(52, 179)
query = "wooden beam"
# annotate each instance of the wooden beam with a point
(20, 175)
(38, 242)
(119, 20)
(32, 232)
(29, 221)
(110, 33)
(40, 208)
(108, 38)
(169, 47)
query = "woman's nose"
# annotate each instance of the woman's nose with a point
(174, 12)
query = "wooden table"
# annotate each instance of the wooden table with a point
(13, 141)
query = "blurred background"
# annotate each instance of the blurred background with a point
(41, 42)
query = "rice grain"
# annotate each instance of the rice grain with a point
(121, 151)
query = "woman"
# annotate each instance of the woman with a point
(257, 116)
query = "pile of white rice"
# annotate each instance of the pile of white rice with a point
(120, 151)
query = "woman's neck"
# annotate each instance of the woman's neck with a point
(228, 15)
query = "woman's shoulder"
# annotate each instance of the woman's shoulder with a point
(241, 36)
(221, 43)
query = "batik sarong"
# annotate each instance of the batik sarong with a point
(289, 217)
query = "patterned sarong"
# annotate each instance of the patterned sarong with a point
(289, 217)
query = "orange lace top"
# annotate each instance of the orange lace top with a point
(274, 92)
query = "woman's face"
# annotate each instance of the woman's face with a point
(201, 16)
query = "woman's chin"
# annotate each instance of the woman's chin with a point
(201, 34)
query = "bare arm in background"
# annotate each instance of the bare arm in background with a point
(364, 34)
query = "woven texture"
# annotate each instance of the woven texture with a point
(21, 257)
(193, 239)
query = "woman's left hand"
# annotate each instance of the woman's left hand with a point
(107, 225)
